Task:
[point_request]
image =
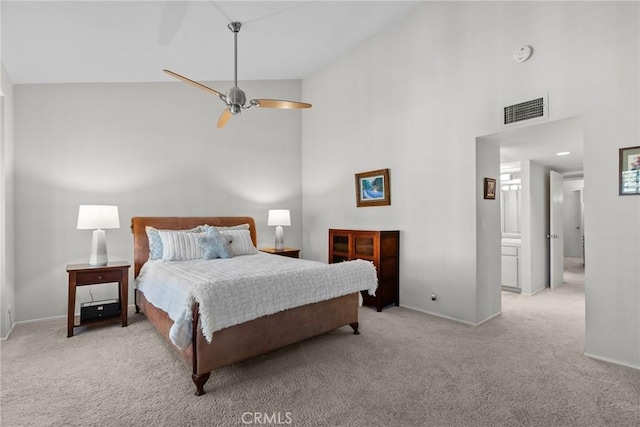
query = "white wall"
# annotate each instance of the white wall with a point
(415, 98)
(7, 235)
(152, 149)
(489, 234)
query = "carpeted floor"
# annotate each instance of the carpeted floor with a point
(523, 368)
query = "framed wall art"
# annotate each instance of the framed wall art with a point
(373, 189)
(489, 188)
(629, 171)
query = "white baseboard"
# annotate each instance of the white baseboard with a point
(40, 319)
(533, 293)
(439, 315)
(614, 361)
(130, 306)
(489, 318)
(8, 333)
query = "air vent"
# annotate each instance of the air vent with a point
(524, 111)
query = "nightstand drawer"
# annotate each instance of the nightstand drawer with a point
(95, 277)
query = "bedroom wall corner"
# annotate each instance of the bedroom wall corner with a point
(7, 235)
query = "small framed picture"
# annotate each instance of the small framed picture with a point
(489, 188)
(629, 168)
(373, 189)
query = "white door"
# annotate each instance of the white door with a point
(555, 236)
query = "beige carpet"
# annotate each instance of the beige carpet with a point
(523, 368)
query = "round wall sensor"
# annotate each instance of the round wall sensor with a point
(523, 54)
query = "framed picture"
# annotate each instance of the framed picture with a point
(629, 168)
(489, 188)
(373, 189)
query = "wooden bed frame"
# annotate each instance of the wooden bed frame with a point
(246, 340)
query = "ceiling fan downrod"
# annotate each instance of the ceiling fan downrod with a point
(235, 28)
(235, 97)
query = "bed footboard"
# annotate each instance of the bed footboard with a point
(259, 336)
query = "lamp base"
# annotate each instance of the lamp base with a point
(279, 238)
(98, 248)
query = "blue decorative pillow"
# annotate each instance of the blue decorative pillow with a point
(215, 245)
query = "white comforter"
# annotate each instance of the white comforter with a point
(235, 290)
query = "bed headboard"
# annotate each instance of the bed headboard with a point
(141, 243)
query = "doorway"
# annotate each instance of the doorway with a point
(536, 151)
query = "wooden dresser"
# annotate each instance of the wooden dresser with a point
(381, 247)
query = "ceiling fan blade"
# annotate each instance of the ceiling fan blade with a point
(224, 118)
(278, 103)
(193, 82)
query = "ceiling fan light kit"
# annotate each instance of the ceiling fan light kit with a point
(235, 98)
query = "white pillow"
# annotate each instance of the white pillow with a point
(155, 243)
(241, 243)
(180, 245)
(231, 227)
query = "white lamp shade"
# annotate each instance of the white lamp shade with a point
(93, 217)
(279, 217)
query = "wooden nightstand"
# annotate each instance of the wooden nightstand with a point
(290, 252)
(86, 274)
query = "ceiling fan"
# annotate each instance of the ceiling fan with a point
(235, 97)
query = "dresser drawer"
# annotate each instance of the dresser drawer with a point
(98, 277)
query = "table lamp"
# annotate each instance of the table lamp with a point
(97, 218)
(279, 217)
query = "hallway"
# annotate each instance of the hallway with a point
(574, 272)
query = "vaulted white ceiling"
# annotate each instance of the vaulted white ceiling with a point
(132, 41)
(52, 41)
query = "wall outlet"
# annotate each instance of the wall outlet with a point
(434, 295)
